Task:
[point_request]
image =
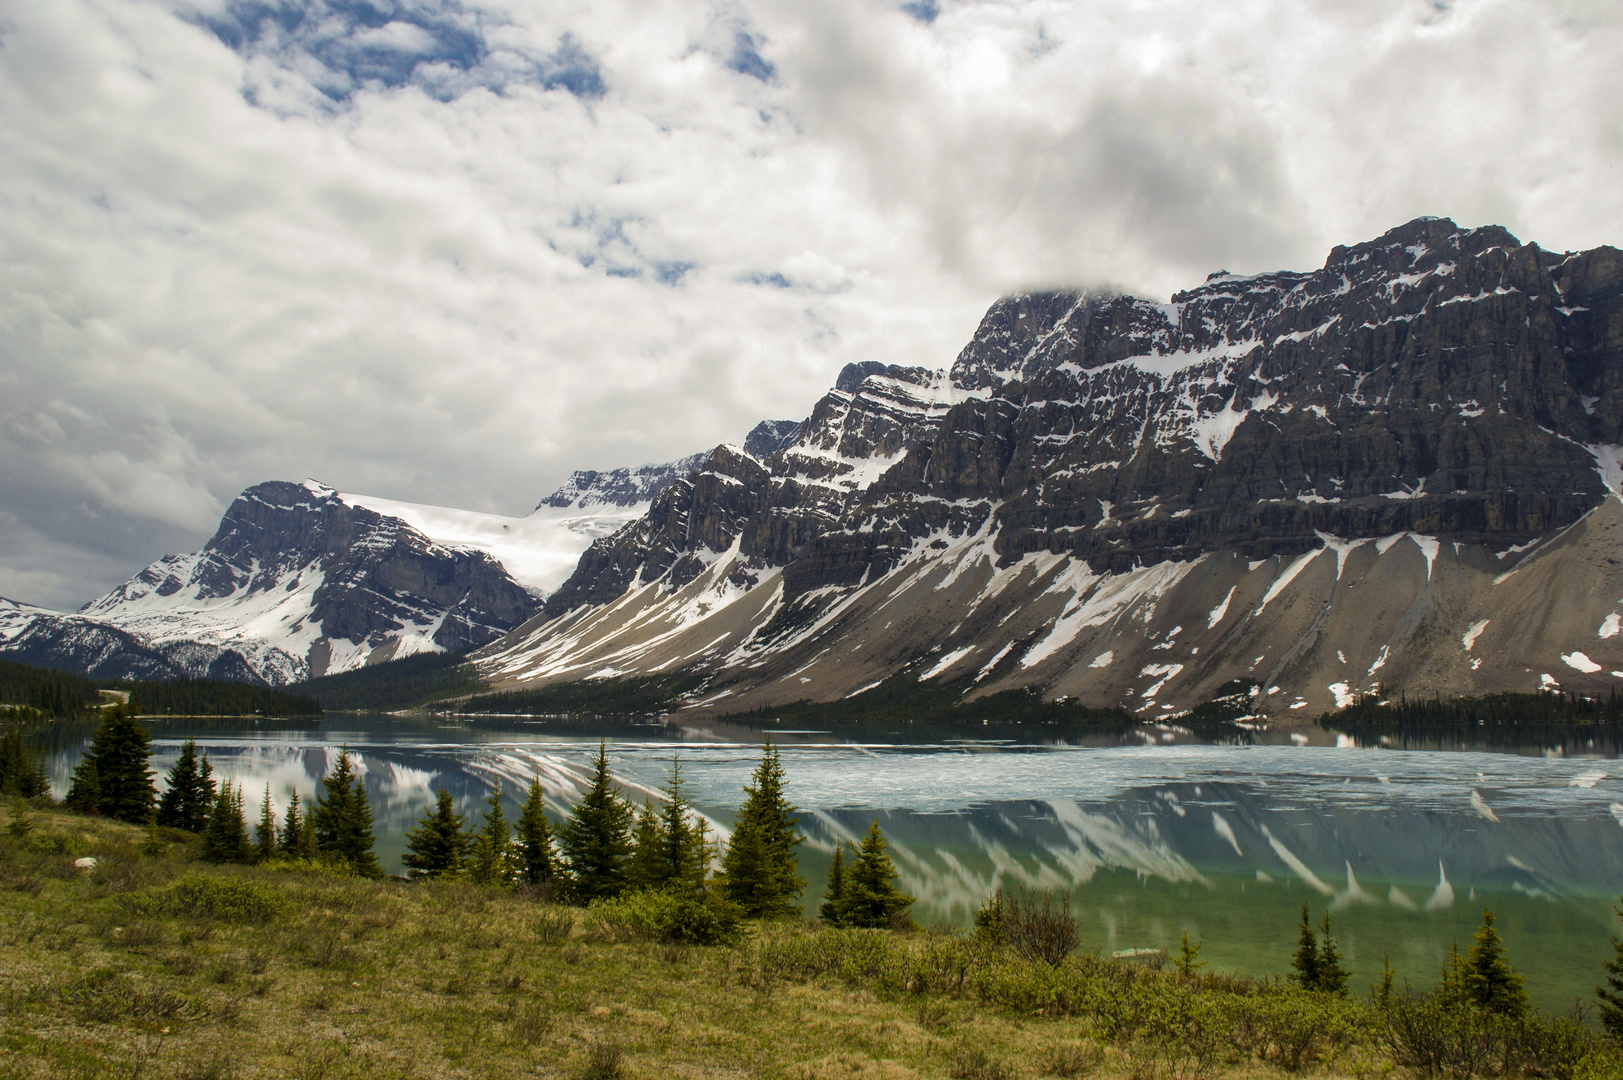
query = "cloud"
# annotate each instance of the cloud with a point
(449, 250)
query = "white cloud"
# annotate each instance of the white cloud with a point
(448, 252)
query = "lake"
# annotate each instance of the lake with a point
(1153, 832)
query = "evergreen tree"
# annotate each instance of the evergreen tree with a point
(435, 848)
(292, 829)
(1306, 960)
(835, 897)
(1451, 984)
(1611, 995)
(188, 791)
(646, 868)
(759, 866)
(84, 787)
(492, 850)
(265, 831)
(871, 896)
(594, 840)
(687, 854)
(1490, 981)
(21, 773)
(1189, 957)
(534, 835)
(1332, 976)
(117, 757)
(225, 837)
(1383, 993)
(343, 819)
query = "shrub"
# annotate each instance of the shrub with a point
(1038, 925)
(664, 916)
(201, 896)
(553, 924)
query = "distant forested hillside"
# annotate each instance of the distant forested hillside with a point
(203, 697)
(399, 684)
(50, 692)
(1492, 710)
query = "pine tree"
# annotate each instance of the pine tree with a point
(435, 848)
(1452, 982)
(292, 829)
(1332, 976)
(1189, 957)
(1490, 981)
(646, 868)
(117, 757)
(343, 819)
(835, 897)
(871, 896)
(687, 854)
(759, 866)
(595, 839)
(492, 852)
(84, 787)
(21, 773)
(225, 837)
(1306, 960)
(1383, 993)
(188, 791)
(1611, 995)
(265, 831)
(534, 835)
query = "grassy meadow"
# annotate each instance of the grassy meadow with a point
(153, 964)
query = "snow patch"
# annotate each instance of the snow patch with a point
(1580, 662)
(1103, 659)
(1611, 626)
(1222, 609)
(1343, 693)
(1468, 639)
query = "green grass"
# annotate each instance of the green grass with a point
(153, 965)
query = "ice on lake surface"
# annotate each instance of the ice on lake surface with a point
(1226, 842)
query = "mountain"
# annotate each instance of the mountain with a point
(301, 580)
(1401, 470)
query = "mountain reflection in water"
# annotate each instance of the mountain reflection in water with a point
(1151, 839)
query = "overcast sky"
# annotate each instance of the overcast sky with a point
(449, 250)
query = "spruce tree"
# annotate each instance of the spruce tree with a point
(534, 835)
(21, 773)
(343, 819)
(117, 758)
(595, 839)
(646, 868)
(1332, 976)
(1490, 981)
(687, 855)
(84, 787)
(225, 837)
(188, 791)
(759, 866)
(435, 848)
(871, 896)
(1306, 960)
(265, 831)
(492, 852)
(292, 829)
(1611, 995)
(832, 910)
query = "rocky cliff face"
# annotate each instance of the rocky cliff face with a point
(296, 582)
(1134, 502)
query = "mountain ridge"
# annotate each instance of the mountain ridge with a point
(1424, 409)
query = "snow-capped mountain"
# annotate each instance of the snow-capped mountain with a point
(1401, 469)
(301, 580)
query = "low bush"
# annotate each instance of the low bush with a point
(658, 915)
(204, 896)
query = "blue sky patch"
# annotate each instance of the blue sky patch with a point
(442, 46)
